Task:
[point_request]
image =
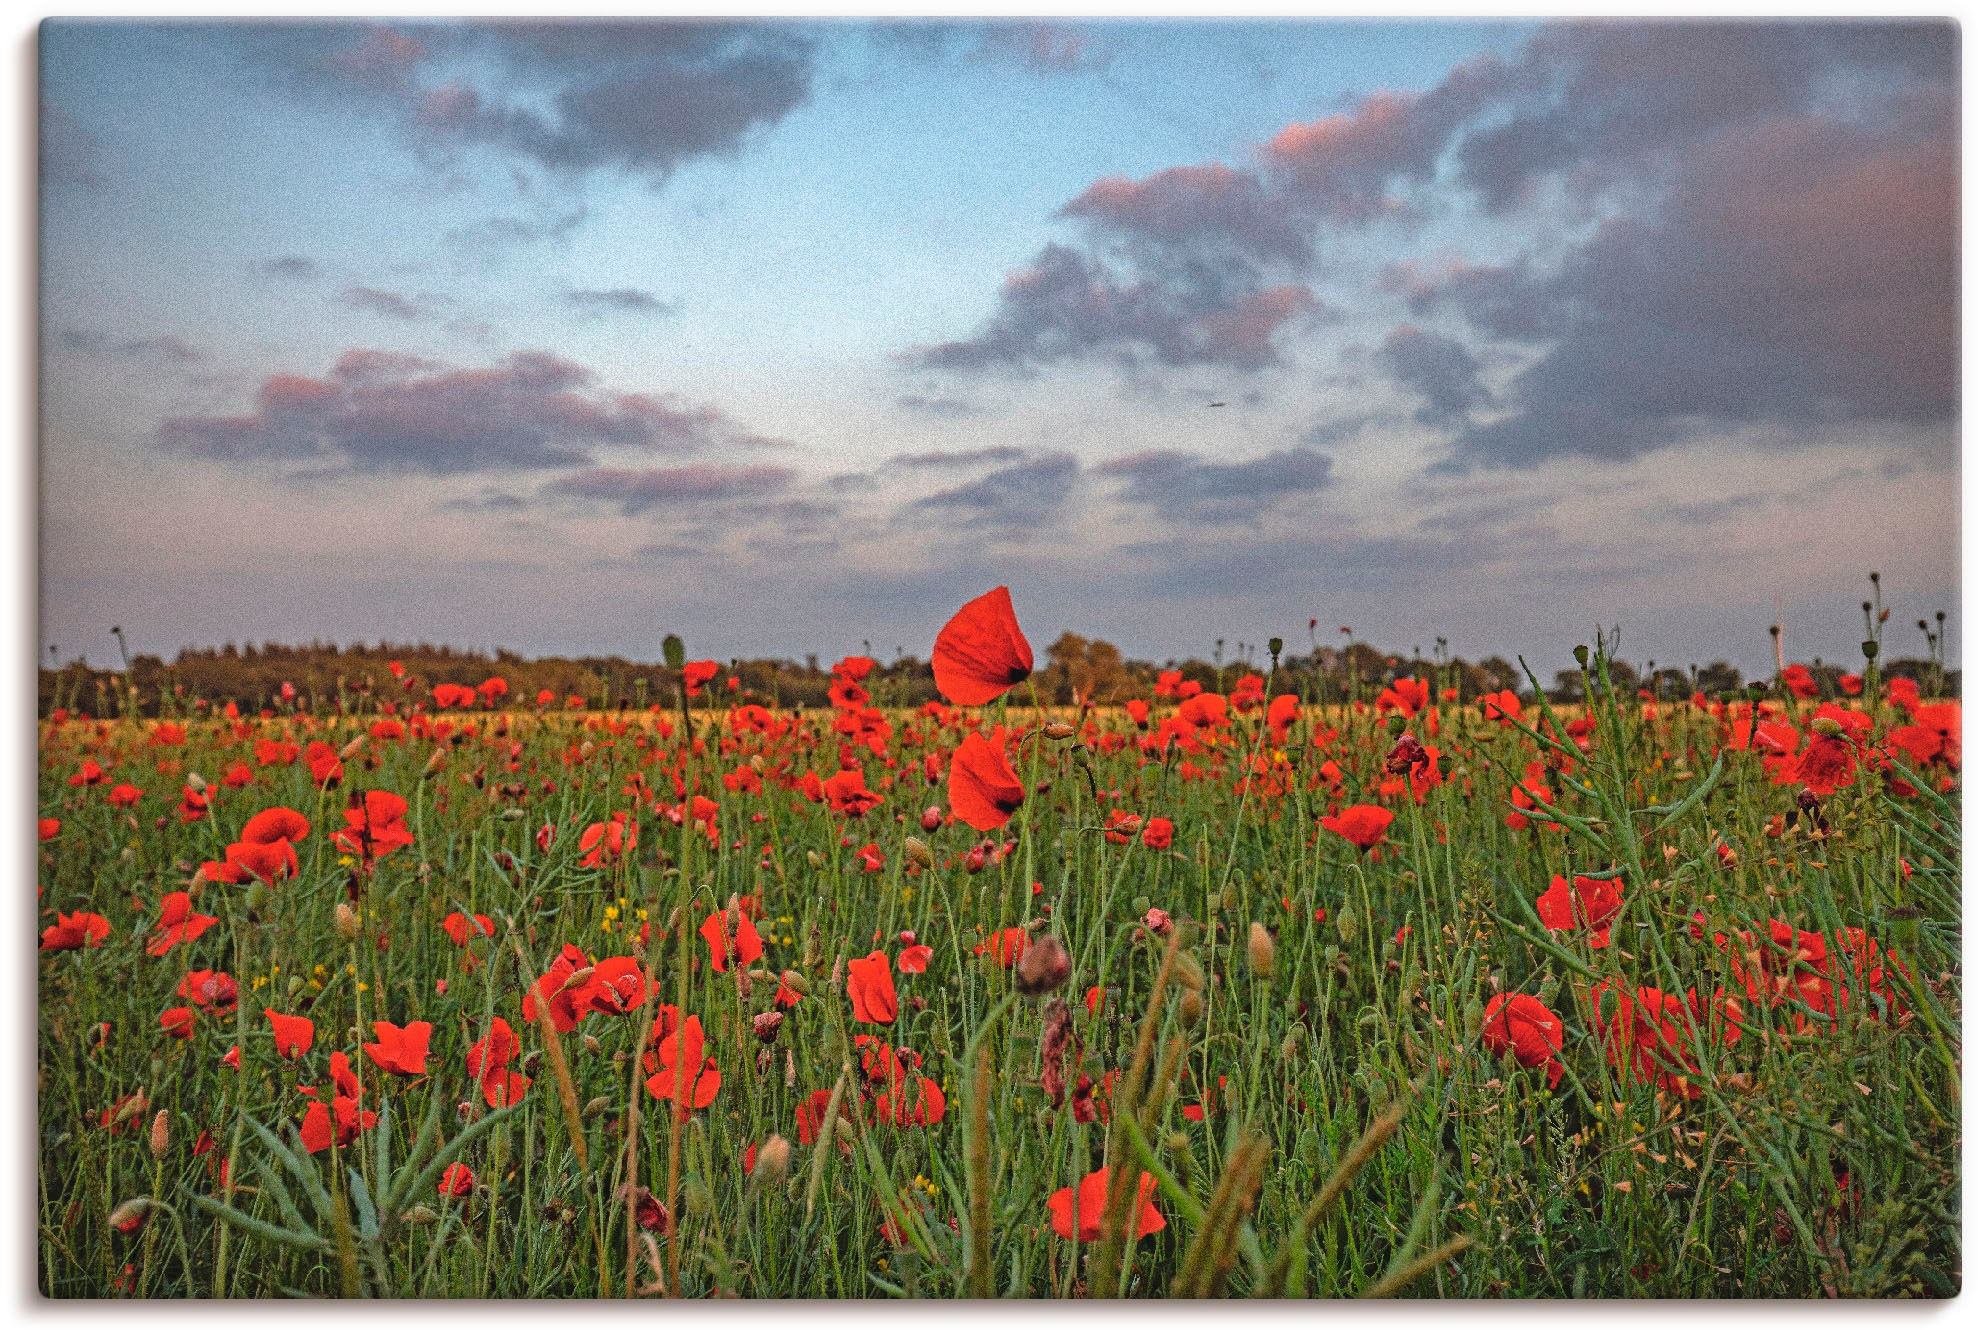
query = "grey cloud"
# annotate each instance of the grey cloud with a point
(618, 300)
(1014, 498)
(947, 408)
(1440, 369)
(290, 266)
(1182, 486)
(169, 347)
(394, 412)
(389, 304)
(958, 457)
(571, 97)
(640, 491)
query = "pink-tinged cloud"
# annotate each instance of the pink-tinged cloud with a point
(635, 491)
(387, 411)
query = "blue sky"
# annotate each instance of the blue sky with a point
(788, 337)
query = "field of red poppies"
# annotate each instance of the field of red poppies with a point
(441, 992)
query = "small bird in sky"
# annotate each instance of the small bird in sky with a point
(1214, 404)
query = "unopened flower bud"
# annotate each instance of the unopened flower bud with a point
(418, 1216)
(918, 853)
(161, 1133)
(766, 1024)
(195, 782)
(436, 763)
(597, 1105)
(591, 1044)
(931, 819)
(1191, 1009)
(1044, 966)
(131, 1215)
(1263, 951)
(772, 1162)
(347, 926)
(1826, 725)
(351, 749)
(1059, 729)
(577, 978)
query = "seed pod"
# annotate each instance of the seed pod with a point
(161, 1133)
(772, 1162)
(1191, 1009)
(1263, 951)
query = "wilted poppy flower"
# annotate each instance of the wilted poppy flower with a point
(983, 788)
(1523, 1026)
(73, 931)
(401, 1051)
(294, 1035)
(980, 654)
(1078, 1215)
(1365, 825)
(177, 922)
(1588, 904)
(210, 990)
(869, 984)
(913, 960)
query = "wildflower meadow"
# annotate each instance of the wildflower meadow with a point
(1253, 982)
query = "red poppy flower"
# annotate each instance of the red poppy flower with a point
(270, 862)
(402, 1051)
(1522, 1026)
(461, 930)
(869, 984)
(555, 989)
(743, 946)
(294, 1035)
(457, 1181)
(604, 843)
(90, 773)
(176, 923)
(375, 826)
(1800, 680)
(1587, 905)
(1648, 1037)
(124, 796)
(74, 931)
(810, 1117)
(177, 1022)
(1404, 695)
(325, 767)
(617, 985)
(980, 654)
(275, 824)
(210, 990)
(696, 673)
(1006, 948)
(48, 828)
(847, 793)
(913, 960)
(1502, 707)
(1158, 834)
(983, 788)
(1365, 825)
(1078, 1215)
(487, 1061)
(686, 1074)
(339, 1121)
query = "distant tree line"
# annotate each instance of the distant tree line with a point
(1075, 670)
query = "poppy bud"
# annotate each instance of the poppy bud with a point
(772, 1162)
(931, 819)
(1263, 951)
(130, 1108)
(577, 978)
(816, 859)
(131, 1215)
(161, 1133)
(1347, 922)
(1059, 729)
(585, 749)
(1191, 1009)
(766, 1024)
(1044, 966)
(1158, 921)
(436, 763)
(418, 1216)
(196, 782)
(591, 1044)
(350, 749)
(918, 853)
(597, 1105)
(347, 926)
(1826, 725)
(1188, 972)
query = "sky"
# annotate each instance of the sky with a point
(790, 337)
